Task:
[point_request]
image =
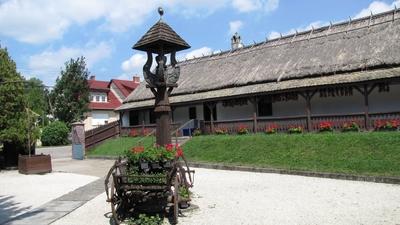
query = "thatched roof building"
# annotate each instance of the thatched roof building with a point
(350, 52)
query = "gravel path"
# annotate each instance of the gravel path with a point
(21, 193)
(232, 197)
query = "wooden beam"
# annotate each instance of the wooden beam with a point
(308, 110)
(211, 106)
(254, 101)
(366, 106)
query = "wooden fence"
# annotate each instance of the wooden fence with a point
(282, 124)
(97, 135)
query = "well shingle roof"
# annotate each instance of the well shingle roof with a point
(161, 33)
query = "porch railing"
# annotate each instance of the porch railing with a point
(283, 124)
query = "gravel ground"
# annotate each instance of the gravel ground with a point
(232, 197)
(21, 193)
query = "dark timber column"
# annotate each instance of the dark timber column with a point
(254, 100)
(162, 110)
(211, 106)
(366, 106)
(308, 111)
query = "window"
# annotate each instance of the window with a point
(206, 112)
(152, 116)
(133, 118)
(192, 113)
(265, 107)
(97, 98)
(103, 98)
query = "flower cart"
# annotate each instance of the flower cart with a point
(148, 182)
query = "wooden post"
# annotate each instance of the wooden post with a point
(254, 100)
(211, 106)
(143, 127)
(366, 107)
(308, 111)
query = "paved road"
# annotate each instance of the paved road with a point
(56, 152)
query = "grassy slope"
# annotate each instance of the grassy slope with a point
(119, 145)
(376, 153)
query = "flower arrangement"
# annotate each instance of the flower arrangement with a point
(295, 129)
(221, 130)
(325, 126)
(140, 154)
(271, 129)
(350, 126)
(387, 124)
(242, 129)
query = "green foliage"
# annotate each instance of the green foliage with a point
(54, 134)
(13, 123)
(184, 192)
(144, 219)
(197, 132)
(368, 153)
(295, 130)
(70, 96)
(37, 99)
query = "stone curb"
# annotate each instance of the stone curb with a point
(340, 176)
(376, 179)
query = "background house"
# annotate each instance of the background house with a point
(105, 96)
(348, 71)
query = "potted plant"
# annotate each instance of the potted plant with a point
(33, 164)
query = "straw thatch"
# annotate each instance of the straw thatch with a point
(330, 55)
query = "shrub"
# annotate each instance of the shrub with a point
(55, 133)
(325, 126)
(350, 126)
(221, 130)
(197, 132)
(387, 124)
(271, 129)
(295, 130)
(144, 219)
(242, 129)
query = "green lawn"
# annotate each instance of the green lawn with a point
(375, 153)
(118, 146)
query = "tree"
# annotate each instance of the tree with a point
(37, 95)
(12, 105)
(70, 96)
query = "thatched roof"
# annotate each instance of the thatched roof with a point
(329, 55)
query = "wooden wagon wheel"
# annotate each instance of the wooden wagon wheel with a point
(117, 205)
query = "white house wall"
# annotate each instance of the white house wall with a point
(289, 108)
(338, 104)
(385, 101)
(236, 112)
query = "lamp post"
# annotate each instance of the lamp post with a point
(161, 40)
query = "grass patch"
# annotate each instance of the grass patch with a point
(367, 153)
(118, 146)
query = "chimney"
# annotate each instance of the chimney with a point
(236, 42)
(136, 79)
(93, 77)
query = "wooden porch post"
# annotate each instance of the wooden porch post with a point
(308, 96)
(308, 111)
(254, 100)
(366, 92)
(211, 106)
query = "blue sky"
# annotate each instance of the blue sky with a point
(41, 35)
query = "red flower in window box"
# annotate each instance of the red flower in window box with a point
(242, 129)
(325, 126)
(271, 129)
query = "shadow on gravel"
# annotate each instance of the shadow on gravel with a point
(9, 208)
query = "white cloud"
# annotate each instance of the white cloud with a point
(41, 21)
(235, 26)
(48, 64)
(134, 64)
(377, 7)
(254, 5)
(315, 24)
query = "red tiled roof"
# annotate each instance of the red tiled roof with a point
(98, 85)
(112, 103)
(125, 86)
